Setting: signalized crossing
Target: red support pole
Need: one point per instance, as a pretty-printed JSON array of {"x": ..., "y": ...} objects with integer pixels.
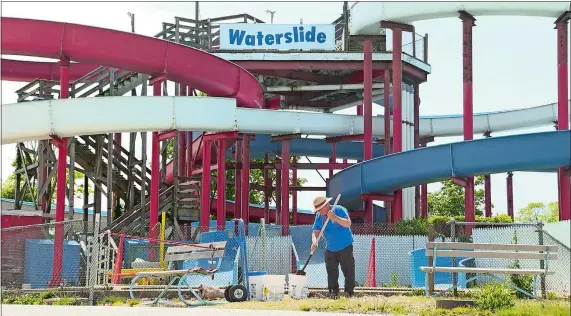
[
  {"x": 205, "y": 187},
  {"x": 397, "y": 113},
  {"x": 221, "y": 187},
  {"x": 246, "y": 179},
  {"x": 61, "y": 185},
  {"x": 368, "y": 116},
  {"x": 368, "y": 100},
  {"x": 488, "y": 196},
  {"x": 510, "y": 194},
  {"x": 285, "y": 188},
  {"x": 424, "y": 200},
  {"x": 238, "y": 182},
  {"x": 468, "y": 115},
  {"x": 155, "y": 173},
  {"x": 387, "y": 144},
  {"x": 267, "y": 190},
  {"x": 294, "y": 193},
  {"x": 278, "y": 191},
  {"x": 563, "y": 113}
]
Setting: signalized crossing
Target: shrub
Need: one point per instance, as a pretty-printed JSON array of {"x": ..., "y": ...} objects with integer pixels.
[
  {"x": 494, "y": 296},
  {"x": 415, "y": 226}
]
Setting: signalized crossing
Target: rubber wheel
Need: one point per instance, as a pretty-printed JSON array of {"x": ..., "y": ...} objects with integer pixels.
[
  {"x": 227, "y": 293},
  {"x": 237, "y": 293}
]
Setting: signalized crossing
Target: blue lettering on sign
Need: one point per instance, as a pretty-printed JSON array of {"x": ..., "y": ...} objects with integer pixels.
[{"x": 297, "y": 35}]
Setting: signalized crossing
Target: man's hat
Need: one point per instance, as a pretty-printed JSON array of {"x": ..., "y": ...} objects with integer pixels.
[{"x": 319, "y": 202}]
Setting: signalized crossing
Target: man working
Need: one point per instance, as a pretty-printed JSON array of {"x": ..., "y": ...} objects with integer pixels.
[{"x": 339, "y": 244}]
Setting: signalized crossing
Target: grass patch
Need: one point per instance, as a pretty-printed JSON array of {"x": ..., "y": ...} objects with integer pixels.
[{"x": 402, "y": 305}]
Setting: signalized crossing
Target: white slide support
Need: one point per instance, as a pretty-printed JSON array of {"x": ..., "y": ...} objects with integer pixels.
[
  {"x": 88, "y": 116},
  {"x": 365, "y": 16}
]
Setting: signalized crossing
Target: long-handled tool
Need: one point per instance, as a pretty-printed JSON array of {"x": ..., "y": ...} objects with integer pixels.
[{"x": 302, "y": 271}]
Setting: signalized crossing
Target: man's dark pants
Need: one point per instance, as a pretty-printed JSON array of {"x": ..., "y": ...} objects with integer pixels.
[{"x": 347, "y": 261}]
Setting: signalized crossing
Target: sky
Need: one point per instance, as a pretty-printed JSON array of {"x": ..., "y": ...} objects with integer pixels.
[{"x": 514, "y": 66}]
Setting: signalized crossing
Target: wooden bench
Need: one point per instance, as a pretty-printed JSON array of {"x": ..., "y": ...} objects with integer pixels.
[
  {"x": 213, "y": 251},
  {"x": 543, "y": 253}
]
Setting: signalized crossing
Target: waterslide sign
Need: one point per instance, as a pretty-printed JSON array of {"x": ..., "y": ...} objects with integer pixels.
[{"x": 246, "y": 36}]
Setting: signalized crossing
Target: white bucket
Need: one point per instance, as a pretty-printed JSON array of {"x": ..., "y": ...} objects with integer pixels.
[
  {"x": 256, "y": 286},
  {"x": 298, "y": 286},
  {"x": 274, "y": 287}
]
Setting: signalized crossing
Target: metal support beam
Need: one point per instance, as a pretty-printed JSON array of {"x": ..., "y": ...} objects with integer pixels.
[
  {"x": 245, "y": 180},
  {"x": 463, "y": 182},
  {"x": 344, "y": 138},
  {"x": 377, "y": 197},
  {"x": 205, "y": 187},
  {"x": 285, "y": 188},
  {"x": 166, "y": 135},
  {"x": 397, "y": 69},
  {"x": 109, "y": 185},
  {"x": 155, "y": 173},
  {"x": 510, "y": 194},
  {"x": 396, "y": 25},
  {"x": 563, "y": 108},
  {"x": 221, "y": 187},
  {"x": 233, "y": 135},
  {"x": 368, "y": 116},
  {"x": 294, "y": 193},
  {"x": 416, "y": 115},
  {"x": 283, "y": 137},
  {"x": 267, "y": 190},
  {"x": 468, "y": 21},
  {"x": 238, "y": 182}
]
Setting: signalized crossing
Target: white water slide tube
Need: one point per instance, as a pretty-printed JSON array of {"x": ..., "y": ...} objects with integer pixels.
[
  {"x": 365, "y": 16},
  {"x": 88, "y": 116}
]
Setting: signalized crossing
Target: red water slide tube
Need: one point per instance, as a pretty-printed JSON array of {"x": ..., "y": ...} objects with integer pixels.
[
  {"x": 19, "y": 70},
  {"x": 91, "y": 45}
]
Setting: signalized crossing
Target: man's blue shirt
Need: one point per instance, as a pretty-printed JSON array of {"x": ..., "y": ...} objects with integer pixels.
[{"x": 336, "y": 236}]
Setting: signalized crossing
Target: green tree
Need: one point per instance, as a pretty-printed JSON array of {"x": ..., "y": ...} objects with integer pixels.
[
  {"x": 538, "y": 211},
  {"x": 449, "y": 200},
  {"x": 9, "y": 185},
  {"x": 256, "y": 177}
]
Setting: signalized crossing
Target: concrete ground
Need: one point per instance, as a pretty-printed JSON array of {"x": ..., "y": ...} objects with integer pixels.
[{"x": 34, "y": 310}]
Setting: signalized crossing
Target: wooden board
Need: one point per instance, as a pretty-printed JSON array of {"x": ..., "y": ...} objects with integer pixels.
[
  {"x": 491, "y": 254},
  {"x": 512, "y": 247},
  {"x": 484, "y": 270}
]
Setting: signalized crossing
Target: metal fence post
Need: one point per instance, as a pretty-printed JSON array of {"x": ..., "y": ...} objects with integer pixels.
[
  {"x": 453, "y": 239},
  {"x": 94, "y": 264},
  {"x": 541, "y": 262},
  {"x": 431, "y": 237}
]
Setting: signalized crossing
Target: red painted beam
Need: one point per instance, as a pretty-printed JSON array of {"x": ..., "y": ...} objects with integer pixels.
[
  {"x": 285, "y": 188},
  {"x": 166, "y": 135},
  {"x": 563, "y": 109},
  {"x": 463, "y": 182},
  {"x": 221, "y": 135},
  {"x": 221, "y": 186},
  {"x": 510, "y": 194},
  {"x": 57, "y": 141},
  {"x": 396, "y": 25},
  {"x": 345, "y": 138},
  {"x": 397, "y": 72},
  {"x": 245, "y": 186},
  {"x": 377, "y": 197},
  {"x": 160, "y": 77},
  {"x": 256, "y": 65},
  {"x": 205, "y": 189},
  {"x": 368, "y": 116},
  {"x": 468, "y": 115}
]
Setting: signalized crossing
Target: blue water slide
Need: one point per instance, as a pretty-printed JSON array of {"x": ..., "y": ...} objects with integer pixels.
[
  {"x": 384, "y": 175},
  {"x": 309, "y": 147}
]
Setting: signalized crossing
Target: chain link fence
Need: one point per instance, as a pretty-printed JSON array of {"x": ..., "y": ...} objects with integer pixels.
[
  {"x": 45, "y": 255},
  {"x": 386, "y": 255}
]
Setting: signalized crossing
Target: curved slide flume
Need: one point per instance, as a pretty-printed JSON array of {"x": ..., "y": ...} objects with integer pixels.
[
  {"x": 92, "y": 45},
  {"x": 384, "y": 175}
]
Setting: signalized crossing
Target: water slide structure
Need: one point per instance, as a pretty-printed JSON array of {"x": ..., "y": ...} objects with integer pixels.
[{"x": 242, "y": 119}]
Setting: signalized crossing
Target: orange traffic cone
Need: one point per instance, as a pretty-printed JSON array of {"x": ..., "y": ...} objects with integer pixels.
[{"x": 371, "y": 279}]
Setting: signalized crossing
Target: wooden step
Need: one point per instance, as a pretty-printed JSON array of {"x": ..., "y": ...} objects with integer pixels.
[{"x": 187, "y": 191}]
